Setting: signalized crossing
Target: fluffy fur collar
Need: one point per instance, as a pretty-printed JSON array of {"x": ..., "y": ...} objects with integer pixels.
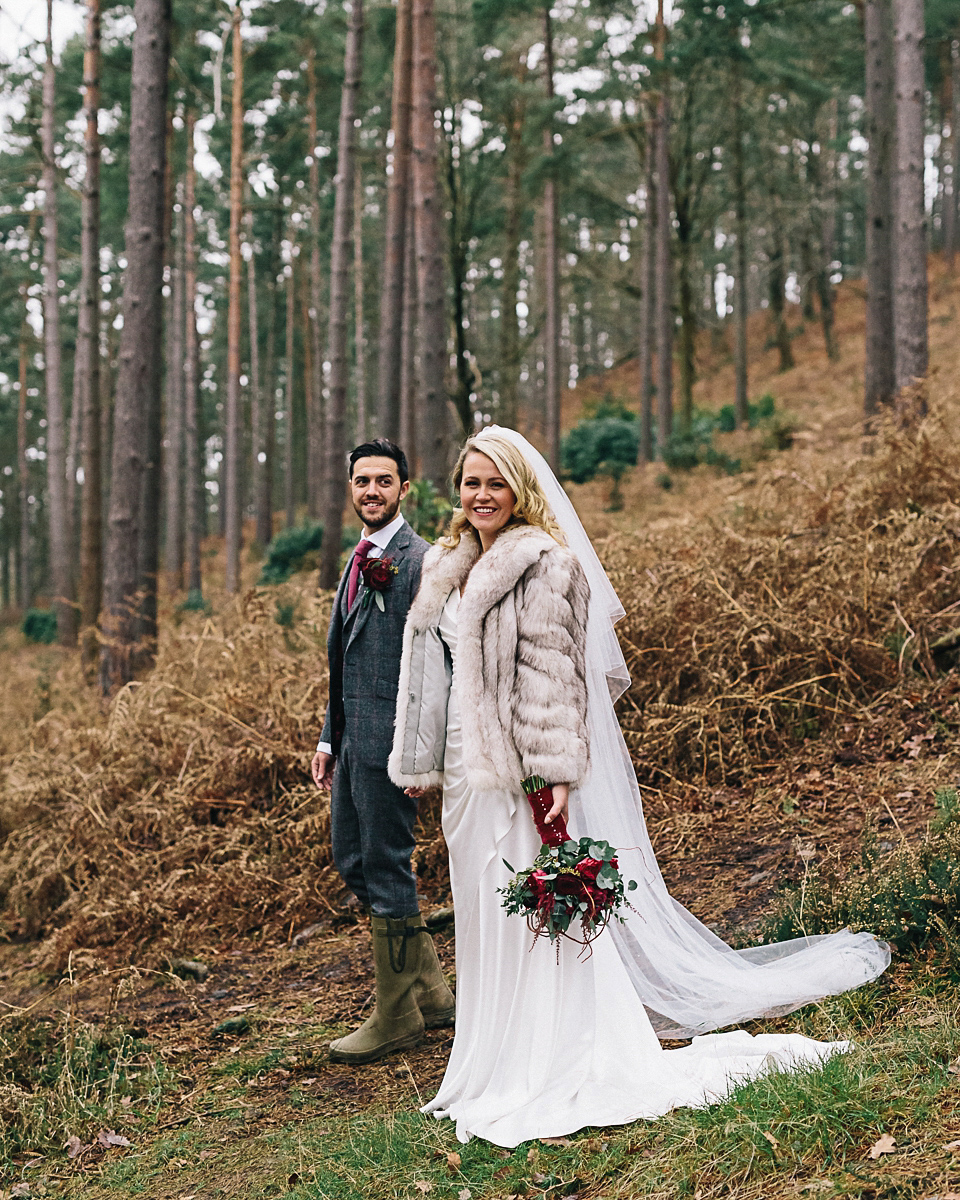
[{"x": 492, "y": 574}]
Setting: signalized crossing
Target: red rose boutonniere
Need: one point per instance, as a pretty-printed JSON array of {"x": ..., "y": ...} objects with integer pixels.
[{"x": 378, "y": 575}]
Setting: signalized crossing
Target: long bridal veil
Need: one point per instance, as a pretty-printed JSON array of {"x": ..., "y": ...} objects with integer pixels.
[{"x": 690, "y": 981}]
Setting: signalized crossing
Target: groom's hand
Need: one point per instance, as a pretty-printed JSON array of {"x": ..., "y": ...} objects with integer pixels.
[{"x": 322, "y": 770}]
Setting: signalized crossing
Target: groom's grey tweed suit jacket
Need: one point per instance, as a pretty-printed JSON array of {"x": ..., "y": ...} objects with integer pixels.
[{"x": 363, "y": 648}]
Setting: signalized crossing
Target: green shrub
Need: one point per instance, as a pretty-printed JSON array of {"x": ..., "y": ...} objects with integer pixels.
[
  {"x": 288, "y": 552},
  {"x": 907, "y": 894},
  {"x": 426, "y": 509},
  {"x": 40, "y": 625},
  {"x": 607, "y": 445}
]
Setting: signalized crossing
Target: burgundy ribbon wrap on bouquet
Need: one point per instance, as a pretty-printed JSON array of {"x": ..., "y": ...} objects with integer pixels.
[{"x": 540, "y": 795}]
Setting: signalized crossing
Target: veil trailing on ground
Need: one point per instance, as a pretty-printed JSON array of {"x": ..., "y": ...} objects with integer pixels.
[{"x": 690, "y": 980}]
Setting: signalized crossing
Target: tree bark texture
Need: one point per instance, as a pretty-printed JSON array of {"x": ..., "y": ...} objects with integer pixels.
[
  {"x": 264, "y": 496},
  {"x": 551, "y": 264},
  {"x": 87, "y": 363},
  {"x": 777, "y": 284},
  {"x": 25, "y": 577},
  {"x": 291, "y": 317},
  {"x": 395, "y": 254},
  {"x": 509, "y": 369},
  {"x": 138, "y": 380},
  {"x": 879, "y": 376},
  {"x": 233, "y": 441},
  {"x": 58, "y": 522},
  {"x": 359, "y": 324},
  {"x": 664, "y": 262},
  {"x": 459, "y": 260},
  {"x": 910, "y": 257},
  {"x": 951, "y": 246},
  {"x": 741, "y": 302},
  {"x": 335, "y": 424},
  {"x": 648, "y": 299},
  {"x": 410, "y": 420},
  {"x": 174, "y": 439},
  {"x": 195, "y": 495},
  {"x": 313, "y": 358},
  {"x": 433, "y": 435},
  {"x": 256, "y": 391}
]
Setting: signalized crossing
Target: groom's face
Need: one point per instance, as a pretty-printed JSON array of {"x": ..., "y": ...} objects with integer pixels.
[{"x": 376, "y": 491}]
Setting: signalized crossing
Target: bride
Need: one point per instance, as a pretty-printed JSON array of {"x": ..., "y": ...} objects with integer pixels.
[{"x": 510, "y": 669}]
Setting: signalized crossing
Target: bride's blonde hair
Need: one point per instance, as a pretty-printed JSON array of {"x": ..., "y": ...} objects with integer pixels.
[{"x": 531, "y": 506}]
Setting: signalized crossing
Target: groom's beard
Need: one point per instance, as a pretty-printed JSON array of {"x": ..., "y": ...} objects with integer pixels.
[{"x": 387, "y": 513}]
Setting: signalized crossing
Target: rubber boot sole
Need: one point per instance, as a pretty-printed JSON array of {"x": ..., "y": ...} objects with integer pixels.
[
  {"x": 442, "y": 1019},
  {"x": 358, "y": 1057}
]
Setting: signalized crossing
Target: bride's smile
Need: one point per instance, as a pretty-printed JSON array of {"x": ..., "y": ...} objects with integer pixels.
[{"x": 486, "y": 497}]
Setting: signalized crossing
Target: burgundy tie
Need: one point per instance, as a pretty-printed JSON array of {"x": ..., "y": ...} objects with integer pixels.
[{"x": 353, "y": 583}]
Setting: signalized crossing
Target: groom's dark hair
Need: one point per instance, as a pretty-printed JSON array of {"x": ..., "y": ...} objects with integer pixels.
[{"x": 381, "y": 448}]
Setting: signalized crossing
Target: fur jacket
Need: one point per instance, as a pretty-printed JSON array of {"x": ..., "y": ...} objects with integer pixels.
[{"x": 520, "y": 676}]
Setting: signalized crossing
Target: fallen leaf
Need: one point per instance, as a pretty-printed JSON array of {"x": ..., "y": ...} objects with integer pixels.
[
  {"x": 954, "y": 1068},
  {"x": 107, "y": 1137},
  {"x": 73, "y": 1146},
  {"x": 453, "y": 1161},
  {"x": 771, "y": 1139},
  {"x": 293, "y": 1180},
  {"x": 952, "y": 1147},
  {"x": 556, "y": 1141},
  {"x": 532, "y": 1154},
  {"x": 240, "y": 1007},
  {"x": 20, "y": 1189},
  {"x": 205, "y": 1154},
  {"x": 818, "y": 1185},
  {"x": 422, "y": 1186},
  {"x": 884, "y": 1144},
  {"x": 464, "y": 1194}
]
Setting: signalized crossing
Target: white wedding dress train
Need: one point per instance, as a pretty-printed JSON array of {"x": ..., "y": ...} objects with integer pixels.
[{"x": 546, "y": 1045}]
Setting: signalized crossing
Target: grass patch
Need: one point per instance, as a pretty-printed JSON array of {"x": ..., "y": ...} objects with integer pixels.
[{"x": 61, "y": 1077}]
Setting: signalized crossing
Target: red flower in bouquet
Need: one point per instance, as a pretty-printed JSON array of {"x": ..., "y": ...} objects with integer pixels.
[
  {"x": 378, "y": 575},
  {"x": 569, "y": 880}
]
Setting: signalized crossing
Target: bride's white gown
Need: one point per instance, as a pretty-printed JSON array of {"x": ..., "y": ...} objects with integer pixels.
[{"x": 544, "y": 1048}]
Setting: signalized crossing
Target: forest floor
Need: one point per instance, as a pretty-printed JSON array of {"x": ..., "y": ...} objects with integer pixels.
[{"x": 214, "y": 1082}]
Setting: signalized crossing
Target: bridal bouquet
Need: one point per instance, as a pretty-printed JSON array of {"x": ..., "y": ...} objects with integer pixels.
[{"x": 569, "y": 880}]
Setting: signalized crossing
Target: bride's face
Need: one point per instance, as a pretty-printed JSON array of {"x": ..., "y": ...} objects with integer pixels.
[{"x": 485, "y": 496}]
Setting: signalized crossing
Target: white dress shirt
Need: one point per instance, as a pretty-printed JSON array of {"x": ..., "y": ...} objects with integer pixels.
[{"x": 381, "y": 539}]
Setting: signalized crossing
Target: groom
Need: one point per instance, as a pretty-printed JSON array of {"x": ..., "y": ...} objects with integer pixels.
[{"x": 372, "y": 819}]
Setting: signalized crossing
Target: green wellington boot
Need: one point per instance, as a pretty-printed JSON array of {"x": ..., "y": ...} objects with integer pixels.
[
  {"x": 395, "y": 1023},
  {"x": 436, "y": 1001}
]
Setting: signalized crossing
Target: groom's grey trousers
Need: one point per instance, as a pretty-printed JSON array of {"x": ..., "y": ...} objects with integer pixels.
[{"x": 372, "y": 822}]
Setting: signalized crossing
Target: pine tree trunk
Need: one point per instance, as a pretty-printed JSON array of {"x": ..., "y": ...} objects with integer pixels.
[
  {"x": 433, "y": 434},
  {"x": 910, "y": 260},
  {"x": 395, "y": 254},
  {"x": 410, "y": 419},
  {"x": 663, "y": 252},
  {"x": 778, "y": 285},
  {"x": 458, "y": 271},
  {"x": 88, "y": 352},
  {"x": 195, "y": 494},
  {"x": 289, "y": 501},
  {"x": 741, "y": 301},
  {"x": 174, "y": 440},
  {"x": 509, "y": 370},
  {"x": 945, "y": 166},
  {"x": 340, "y": 253},
  {"x": 58, "y": 517},
  {"x": 233, "y": 442},
  {"x": 551, "y": 264},
  {"x": 256, "y": 389},
  {"x": 138, "y": 381},
  {"x": 879, "y": 379},
  {"x": 25, "y": 575},
  {"x": 951, "y": 247},
  {"x": 359, "y": 324},
  {"x": 648, "y": 300},
  {"x": 264, "y": 499},
  {"x": 313, "y": 353}
]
